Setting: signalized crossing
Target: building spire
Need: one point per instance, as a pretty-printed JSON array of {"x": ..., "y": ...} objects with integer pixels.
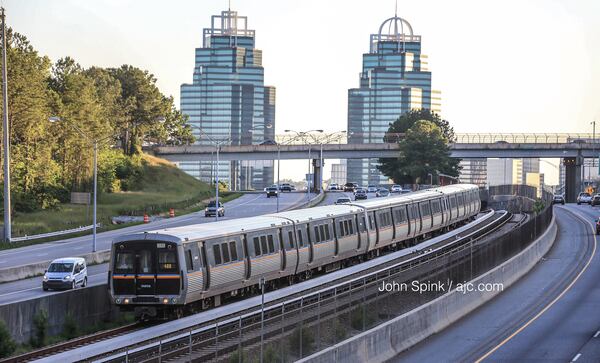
[
  {"x": 230, "y": 5},
  {"x": 395, "y": 10}
]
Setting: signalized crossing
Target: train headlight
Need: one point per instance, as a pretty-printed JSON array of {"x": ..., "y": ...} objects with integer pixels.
[
  {"x": 165, "y": 301},
  {"x": 126, "y": 301}
]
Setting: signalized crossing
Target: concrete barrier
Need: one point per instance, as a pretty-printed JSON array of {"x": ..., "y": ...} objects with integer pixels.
[
  {"x": 86, "y": 306},
  {"x": 38, "y": 268},
  {"x": 389, "y": 339}
]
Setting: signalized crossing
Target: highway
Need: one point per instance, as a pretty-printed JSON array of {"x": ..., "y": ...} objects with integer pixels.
[
  {"x": 31, "y": 288},
  {"x": 551, "y": 314}
]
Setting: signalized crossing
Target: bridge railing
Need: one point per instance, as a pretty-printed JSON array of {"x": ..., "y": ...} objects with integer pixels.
[{"x": 524, "y": 138}]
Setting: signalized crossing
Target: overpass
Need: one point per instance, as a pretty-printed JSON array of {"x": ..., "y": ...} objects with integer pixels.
[{"x": 573, "y": 148}]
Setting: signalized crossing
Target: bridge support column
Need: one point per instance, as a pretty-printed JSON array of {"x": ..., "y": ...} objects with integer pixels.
[
  {"x": 572, "y": 178},
  {"x": 317, "y": 175}
]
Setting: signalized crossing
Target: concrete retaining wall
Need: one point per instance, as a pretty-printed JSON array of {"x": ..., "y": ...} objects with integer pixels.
[
  {"x": 387, "y": 340},
  {"x": 38, "y": 268},
  {"x": 87, "y": 306}
]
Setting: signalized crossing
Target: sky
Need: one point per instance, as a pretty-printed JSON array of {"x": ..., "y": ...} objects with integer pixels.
[{"x": 509, "y": 66}]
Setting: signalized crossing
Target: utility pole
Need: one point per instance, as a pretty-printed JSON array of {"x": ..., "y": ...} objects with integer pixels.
[
  {"x": 6, "y": 134},
  {"x": 594, "y": 146}
]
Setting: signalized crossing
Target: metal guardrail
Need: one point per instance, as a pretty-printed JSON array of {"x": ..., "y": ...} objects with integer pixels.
[{"x": 54, "y": 234}]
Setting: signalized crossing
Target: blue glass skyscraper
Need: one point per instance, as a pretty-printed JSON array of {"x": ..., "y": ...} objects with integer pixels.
[
  {"x": 229, "y": 101},
  {"x": 394, "y": 79}
]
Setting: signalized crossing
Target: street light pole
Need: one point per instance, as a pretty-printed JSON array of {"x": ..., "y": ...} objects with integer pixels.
[
  {"x": 217, "y": 186},
  {"x": 262, "y": 316},
  {"x": 308, "y": 176},
  {"x": 6, "y": 134},
  {"x": 278, "y": 163},
  {"x": 95, "y": 194}
]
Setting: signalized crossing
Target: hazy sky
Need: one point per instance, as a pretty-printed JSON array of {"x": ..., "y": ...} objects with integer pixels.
[{"x": 510, "y": 66}]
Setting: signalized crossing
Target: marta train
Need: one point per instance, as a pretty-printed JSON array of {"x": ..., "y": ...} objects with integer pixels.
[{"x": 166, "y": 272}]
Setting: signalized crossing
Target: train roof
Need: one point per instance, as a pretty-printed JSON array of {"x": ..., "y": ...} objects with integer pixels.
[{"x": 226, "y": 227}]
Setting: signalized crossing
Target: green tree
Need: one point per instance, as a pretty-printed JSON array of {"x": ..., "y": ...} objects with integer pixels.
[
  {"x": 399, "y": 127},
  {"x": 40, "y": 324},
  {"x": 7, "y": 344},
  {"x": 423, "y": 150}
]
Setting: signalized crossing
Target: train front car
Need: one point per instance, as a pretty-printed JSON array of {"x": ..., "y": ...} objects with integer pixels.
[{"x": 145, "y": 275}]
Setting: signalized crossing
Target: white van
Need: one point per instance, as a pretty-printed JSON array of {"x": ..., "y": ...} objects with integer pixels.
[{"x": 65, "y": 273}]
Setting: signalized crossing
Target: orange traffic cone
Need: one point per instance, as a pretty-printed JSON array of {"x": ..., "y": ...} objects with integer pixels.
[
  {"x": 171, "y": 213},
  {"x": 146, "y": 219}
]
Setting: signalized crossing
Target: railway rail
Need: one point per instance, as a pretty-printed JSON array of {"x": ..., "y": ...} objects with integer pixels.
[
  {"x": 75, "y": 343},
  {"x": 219, "y": 331}
]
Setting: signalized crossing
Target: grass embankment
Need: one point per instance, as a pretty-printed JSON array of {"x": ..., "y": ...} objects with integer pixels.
[{"x": 161, "y": 186}]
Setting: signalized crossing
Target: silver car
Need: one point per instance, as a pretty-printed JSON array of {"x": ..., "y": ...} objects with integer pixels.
[{"x": 65, "y": 273}]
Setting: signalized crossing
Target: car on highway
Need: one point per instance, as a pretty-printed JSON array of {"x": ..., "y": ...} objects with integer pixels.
[
  {"x": 396, "y": 189},
  {"x": 595, "y": 200},
  {"x": 598, "y": 226},
  {"x": 285, "y": 187},
  {"x": 268, "y": 142},
  {"x": 360, "y": 194},
  {"x": 272, "y": 192},
  {"x": 558, "y": 199},
  {"x": 382, "y": 192},
  {"x": 371, "y": 189},
  {"x": 211, "y": 209},
  {"x": 343, "y": 200},
  {"x": 65, "y": 273},
  {"x": 334, "y": 186},
  {"x": 349, "y": 187},
  {"x": 584, "y": 197}
]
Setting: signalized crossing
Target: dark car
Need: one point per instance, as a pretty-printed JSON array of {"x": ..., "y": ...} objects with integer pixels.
[
  {"x": 360, "y": 194},
  {"x": 269, "y": 142},
  {"x": 558, "y": 199},
  {"x": 382, "y": 193},
  {"x": 211, "y": 209},
  {"x": 598, "y": 226},
  {"x": 595, "y": 200},
  {"x": 272, "y": 192},
  {"x": 349, "y": 187},
  {"x": 285, "y": 187}
]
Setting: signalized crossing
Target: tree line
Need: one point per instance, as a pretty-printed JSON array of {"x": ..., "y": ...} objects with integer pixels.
[{"x": 121, "y": 105}]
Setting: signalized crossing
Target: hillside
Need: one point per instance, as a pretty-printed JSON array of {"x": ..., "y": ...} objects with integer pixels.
[{"x": 160, "y": 186}]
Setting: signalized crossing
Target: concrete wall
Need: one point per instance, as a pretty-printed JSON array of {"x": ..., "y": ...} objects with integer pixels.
[
  {"x": 387, "y": 340},
  {"x": 87, "y": 306}
]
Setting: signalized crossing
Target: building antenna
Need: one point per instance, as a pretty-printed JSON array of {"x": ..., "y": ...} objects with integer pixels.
[
  {"x": 396, "y": 9},
  {"x": 229, "y": 5}
]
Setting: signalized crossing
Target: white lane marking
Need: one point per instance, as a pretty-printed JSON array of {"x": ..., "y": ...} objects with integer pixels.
[
  {"x": 597, "y": 333},
  {"x": 42, "y": 254},
  {"x": 576, "y": 357},
  {"x": 39, "y": 287}
]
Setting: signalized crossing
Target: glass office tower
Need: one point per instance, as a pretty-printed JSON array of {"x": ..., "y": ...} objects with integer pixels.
[
  {"x": 394, "y": 79},
  {"x": 229, "y": 102}
]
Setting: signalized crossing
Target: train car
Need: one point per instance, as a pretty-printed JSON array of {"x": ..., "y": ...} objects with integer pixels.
[{"x": 195, "y": 267}]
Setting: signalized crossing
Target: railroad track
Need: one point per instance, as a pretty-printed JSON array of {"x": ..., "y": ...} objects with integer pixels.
[{"x": 75, "y": 343}]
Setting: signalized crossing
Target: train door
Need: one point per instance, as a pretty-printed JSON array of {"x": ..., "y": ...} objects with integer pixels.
[
  {"x": 310, "y": 244},
  {"x": 206, "y": 266},
  {"x": 145, "y": 283},
  {"x": 359, "y": 231},
  {"x": 282, "y": 250},
  {"x": 373, "y": 226}
]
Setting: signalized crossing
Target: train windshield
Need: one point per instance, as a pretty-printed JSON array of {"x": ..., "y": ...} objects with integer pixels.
[{"x": 145, "y": 257}]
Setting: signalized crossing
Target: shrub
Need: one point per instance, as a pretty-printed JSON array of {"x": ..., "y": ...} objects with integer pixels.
[
  {"x": 7, "y": 344},
  {"x": 70, "y": 328},
  {"x": 40, "y": 324}
]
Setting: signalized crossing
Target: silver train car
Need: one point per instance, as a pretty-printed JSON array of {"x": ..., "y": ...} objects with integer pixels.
[{"x": 195, "y": 267}]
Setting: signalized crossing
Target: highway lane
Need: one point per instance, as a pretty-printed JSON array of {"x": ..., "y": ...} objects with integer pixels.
[
  {"x": 25, "y": 289},
  {"x": 236, "y": 208},
  {"x": 539, "y": 318}
]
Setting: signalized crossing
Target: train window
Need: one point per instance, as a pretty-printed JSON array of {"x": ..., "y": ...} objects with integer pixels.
[
  {"x": 167, "y": 262},
  {"x": 217, "y": 253},
  {"x": 188, "y": 261},
  {"x": 291, "y": 238},
  {"x": 124, "y": 263},
  {"x": 225, "y": 252},
  {"x": 145, "y": 262},
  {"x": 350, "y": 227},
  {"x": 425, "y": 209},
  {"x": 327, "y": 232},
  {"x": 300, "y": 240},
  {"x": 346, "y": 228},
  {"x": 271, "y": 244},
  {"x": 342, "y": 232},
  {"x": 370, "y": 221},
  {"x": 263, "y": 245},
  {"x": 256, "y": 246},
  {"x": 317, "y": 237},
  {"x": 364, "y": 223},
  {"x": 233, "y": 251}
]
